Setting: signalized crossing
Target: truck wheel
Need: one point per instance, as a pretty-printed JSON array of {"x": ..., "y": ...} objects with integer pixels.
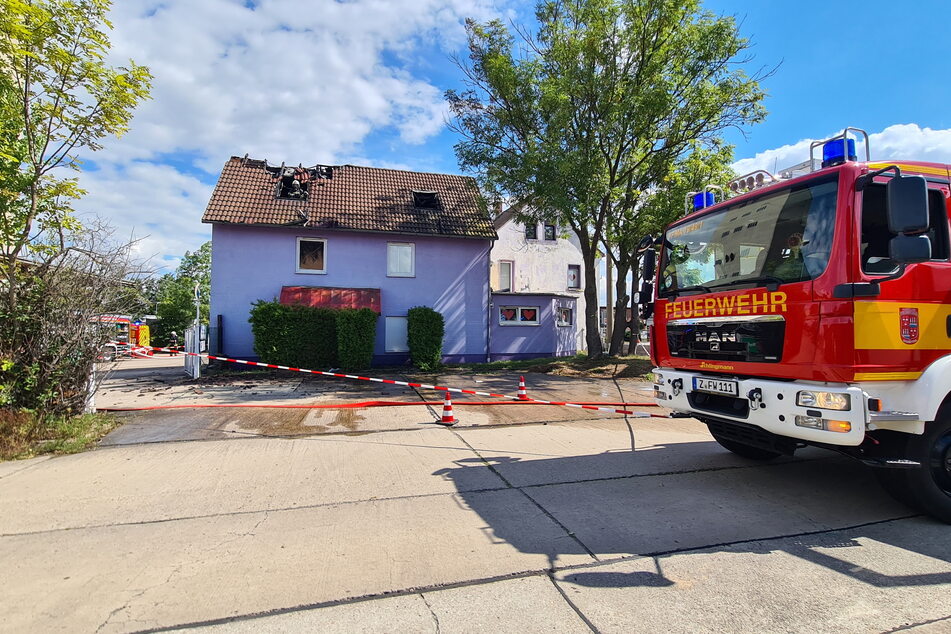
[
  {"x": 929, "y": 488},
  {"x": 747, "y": 451}
]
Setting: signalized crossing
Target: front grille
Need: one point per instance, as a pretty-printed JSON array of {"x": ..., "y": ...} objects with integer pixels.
[{"x": 759, "y": 341}]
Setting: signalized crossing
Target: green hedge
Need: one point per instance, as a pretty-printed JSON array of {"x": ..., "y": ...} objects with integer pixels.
[
  {"x": 298, "y": 336},
  {"x": 425, "y": 330},
  {"x": 356, "y": 332}
]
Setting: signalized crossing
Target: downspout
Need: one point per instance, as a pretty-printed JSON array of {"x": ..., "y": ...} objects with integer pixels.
[
  {"x": 488, "y": 317},
  {"x": 488, "y": 285}
]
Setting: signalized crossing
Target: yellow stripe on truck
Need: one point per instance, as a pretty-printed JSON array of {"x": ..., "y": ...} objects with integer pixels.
[
  {"x": 878, "y": 326},
  {"x": 887, "y": 376},
  {"x": 921, "y": 169}
]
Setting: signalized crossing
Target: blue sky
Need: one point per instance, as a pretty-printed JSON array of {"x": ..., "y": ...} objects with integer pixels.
[
  {"x": 362, "y": 82},
  {"x": 867, "y": 64}
]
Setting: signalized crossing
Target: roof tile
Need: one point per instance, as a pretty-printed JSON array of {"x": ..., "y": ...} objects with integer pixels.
[{"x": 353, "y": 198}]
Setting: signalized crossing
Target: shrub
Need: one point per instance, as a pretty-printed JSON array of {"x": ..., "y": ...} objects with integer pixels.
[
  {"x": 425, "y": 330},
  {"x": 356, "y": 332},
  {"x": 298, "y": 336}
]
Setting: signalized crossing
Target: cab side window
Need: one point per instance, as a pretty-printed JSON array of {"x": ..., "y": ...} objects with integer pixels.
[{"x": 876, "y": 236}]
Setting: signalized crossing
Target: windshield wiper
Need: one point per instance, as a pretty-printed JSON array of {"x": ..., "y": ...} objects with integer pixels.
[
  {"x": 676, "y": 291},
  {"x": 763, "y": 280}
]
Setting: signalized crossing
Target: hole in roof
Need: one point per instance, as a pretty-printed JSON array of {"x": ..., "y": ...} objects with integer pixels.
[
  {"x": 294, "y": 183},
  {"x": 425, "y": 200}
]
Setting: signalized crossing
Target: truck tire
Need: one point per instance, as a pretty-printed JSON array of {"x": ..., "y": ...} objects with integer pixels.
[
  {"x": 746, "y": 451},
  {"x": 927, "y": 489}
]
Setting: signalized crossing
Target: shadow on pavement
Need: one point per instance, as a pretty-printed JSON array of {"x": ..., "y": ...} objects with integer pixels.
[{"x": 822, "y": 510}]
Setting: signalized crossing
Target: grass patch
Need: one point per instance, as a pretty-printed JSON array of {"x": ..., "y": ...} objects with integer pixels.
[
  {"x": 578, "y": 365},
  {"x": 22, "y": 437}
]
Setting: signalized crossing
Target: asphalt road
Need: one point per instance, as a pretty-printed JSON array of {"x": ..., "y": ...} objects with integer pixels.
[{"x": 531, "y": 527}]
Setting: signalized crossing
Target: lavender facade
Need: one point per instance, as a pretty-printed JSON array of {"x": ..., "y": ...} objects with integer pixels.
[
  {"x": 450, "y": 275},
  {"x": 530, "y": 325},
  {"x": 344, "y": 236}
]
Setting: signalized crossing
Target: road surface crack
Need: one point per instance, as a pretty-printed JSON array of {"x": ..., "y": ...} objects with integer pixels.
[
  {"x": 571, "y": 604},
  {"x": 432, "y": 612}
]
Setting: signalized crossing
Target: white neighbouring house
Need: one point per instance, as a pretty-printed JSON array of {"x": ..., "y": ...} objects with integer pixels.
[{"x": 539, "y": 258}]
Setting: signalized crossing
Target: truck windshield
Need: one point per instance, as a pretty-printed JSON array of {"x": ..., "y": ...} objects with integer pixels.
[{"x": 784, "y": 236}]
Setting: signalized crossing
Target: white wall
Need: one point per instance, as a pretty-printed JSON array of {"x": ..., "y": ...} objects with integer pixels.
[{"x": 540, "y": 266}]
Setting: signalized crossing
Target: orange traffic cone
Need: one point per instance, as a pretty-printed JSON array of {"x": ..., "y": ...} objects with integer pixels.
[
  {"x": 447, "y": 417},
  {"x": 522, "y": 394}
]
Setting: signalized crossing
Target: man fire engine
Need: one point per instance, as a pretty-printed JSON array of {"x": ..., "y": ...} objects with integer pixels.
[{"x": 814, "y": 308}]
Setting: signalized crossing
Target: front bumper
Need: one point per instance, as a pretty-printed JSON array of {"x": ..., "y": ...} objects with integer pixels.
[{"x": 770, "y": 405}]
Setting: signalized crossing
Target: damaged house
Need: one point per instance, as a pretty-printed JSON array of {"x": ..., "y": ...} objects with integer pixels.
[
  {"x": 350, "y": 237},
  {"x": 346, "y": 236}
]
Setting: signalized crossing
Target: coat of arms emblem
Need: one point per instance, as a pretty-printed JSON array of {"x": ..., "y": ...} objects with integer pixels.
[{"x": 909, "y": 324}]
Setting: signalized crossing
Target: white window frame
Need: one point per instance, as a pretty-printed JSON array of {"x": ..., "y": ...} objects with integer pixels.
[
  {"x": 518, "y": 313},
  {"x": 387, "y": 344},
  {"x": 568, "y": 272},
  {"x": 297, "y": 255},
  {"x": 511, "y": 277},
  {"x": 412, "y": 259},
  {"x": 571, "y": 313}
]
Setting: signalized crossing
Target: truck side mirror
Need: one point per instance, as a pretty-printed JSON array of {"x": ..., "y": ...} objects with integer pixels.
[
  {"x": 907, "y": 204},
  {"x": 645, "y": 295},
  {"x": 646, "y": 243},
  {"x": 908, "y": 249},
  {"x": 650, "y": 264}
]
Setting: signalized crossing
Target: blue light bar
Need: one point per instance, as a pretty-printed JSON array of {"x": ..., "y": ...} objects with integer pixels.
[
  {"x": 703, "y": 200},
  {"x": 834, "y": 152}
]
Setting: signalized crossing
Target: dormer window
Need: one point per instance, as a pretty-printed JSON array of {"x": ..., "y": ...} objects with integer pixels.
[{"x": 425, "y": 200}]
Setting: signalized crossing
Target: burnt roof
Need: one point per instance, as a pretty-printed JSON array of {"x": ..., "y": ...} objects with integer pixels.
[{"x": 350, "y": 198}]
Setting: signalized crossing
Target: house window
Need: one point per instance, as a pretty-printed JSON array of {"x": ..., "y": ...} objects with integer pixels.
[
  {"x": 518, "y": 315},
  {"x": 565, "y": 316},
  {"x": 574, "y": 276},
  {"x": 395, "y": 338},
  {"x": 549, "y": 232},
  {"x": 505, "y": 275},
  {"x": 531, "y": 231},
  {"x": 311, "y": 255},
  {"x": 400, "y": 259}
]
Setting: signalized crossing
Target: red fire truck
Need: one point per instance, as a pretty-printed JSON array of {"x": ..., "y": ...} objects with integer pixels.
[{"x": 814, "y": 308}]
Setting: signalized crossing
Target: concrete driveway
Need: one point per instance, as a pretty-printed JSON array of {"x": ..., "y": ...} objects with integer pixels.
[
  {"x": 285, "y": 404},
  {"x": 532, "y": 527}
]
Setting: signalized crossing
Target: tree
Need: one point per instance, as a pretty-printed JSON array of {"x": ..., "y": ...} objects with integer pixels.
[
  {"x": 582, "y": 118},
  {"x": 176, "y": 293},
  {"x": 51, "y": 338},
  {"x": 58, "y": 98},
  {"x": 656, "y": 208}
]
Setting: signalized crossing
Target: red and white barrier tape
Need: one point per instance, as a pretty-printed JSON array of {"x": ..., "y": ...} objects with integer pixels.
[{"x": 423, "y": 386}]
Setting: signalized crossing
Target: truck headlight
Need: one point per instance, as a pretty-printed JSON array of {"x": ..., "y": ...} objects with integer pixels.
[{"x": 823, "y": 400}]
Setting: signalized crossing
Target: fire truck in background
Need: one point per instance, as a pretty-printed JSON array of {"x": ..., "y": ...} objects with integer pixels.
[
  {"x": 814, "y": 308},
  {"x": 124, "y": 335}
]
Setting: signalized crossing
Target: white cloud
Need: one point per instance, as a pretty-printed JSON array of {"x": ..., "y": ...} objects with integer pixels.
[
  {"x": 152, "y": 203},
  {"x": 900, "y": 141},
  {"x": 289, "y": 80},
  {"x": 284, "y": 80}
]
